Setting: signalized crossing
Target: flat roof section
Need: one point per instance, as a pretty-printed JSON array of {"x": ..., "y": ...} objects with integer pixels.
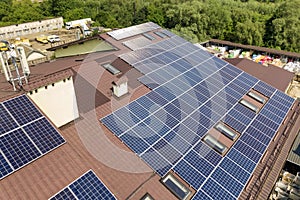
[
  {"x": 261, "y": 49},
  {"x": 275, "y": 76}
]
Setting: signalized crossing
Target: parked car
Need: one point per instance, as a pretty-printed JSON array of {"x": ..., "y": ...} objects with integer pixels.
[{"x": 53, "y": 38}]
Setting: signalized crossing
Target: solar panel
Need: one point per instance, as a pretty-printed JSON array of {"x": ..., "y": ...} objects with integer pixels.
[
  {"x": 133, "y": 30},
  {"x": 235, "y": 170},
  {"x": 193, "y": 91},
  {"x": 227, "y": 182},
  {"x": 5, "y": 168},
  {"x": 7, "y": 121},
  {"x": 22, "y": 110},
  {"x": 190, "y": 174},
  {"x": 86, "y": 187},
  {"x": 65, "y": 194},
  {"x": 25, "y": 134},
  {"x": 18, "y": 148},
  {"x": 137, "y": 43},
  {"x": 44, "y": 135}
]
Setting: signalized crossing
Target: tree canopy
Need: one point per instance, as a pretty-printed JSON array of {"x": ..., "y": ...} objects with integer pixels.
[{"x": 270, "y": 23}]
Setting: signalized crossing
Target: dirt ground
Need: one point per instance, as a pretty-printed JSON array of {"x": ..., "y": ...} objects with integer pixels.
[{"x": 65, "y": 36}]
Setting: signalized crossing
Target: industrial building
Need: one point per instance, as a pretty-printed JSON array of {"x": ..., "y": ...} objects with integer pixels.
[
  {"x": 155, "y": 117},
  {"x": 19, "y": 30}
]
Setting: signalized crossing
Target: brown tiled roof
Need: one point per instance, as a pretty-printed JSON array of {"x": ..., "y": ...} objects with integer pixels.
[
  {"x": 275, "y": 76},
  {"x": 256, "y": 48},
  {"x": 90, "y": 145},
  {"x": 42, "y": 81}
]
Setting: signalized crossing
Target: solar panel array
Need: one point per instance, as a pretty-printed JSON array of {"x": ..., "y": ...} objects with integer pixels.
[
  {"x": 25, "y": 135},
  {"x": 191, "y": 92},
  {"x": 137, "y": 43},
  {"x": 86, "y": 187},
  {"x": 133, "y": 30}
]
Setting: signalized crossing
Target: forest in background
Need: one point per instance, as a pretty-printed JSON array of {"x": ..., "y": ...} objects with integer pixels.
[{"x": 269, "y": 23}]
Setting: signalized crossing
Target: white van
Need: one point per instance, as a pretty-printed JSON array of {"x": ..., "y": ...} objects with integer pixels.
[{"x": 53, "y": 38}]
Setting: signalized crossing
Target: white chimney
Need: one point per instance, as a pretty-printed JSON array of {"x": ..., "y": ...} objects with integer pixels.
[{"x": 120, "y": 86}]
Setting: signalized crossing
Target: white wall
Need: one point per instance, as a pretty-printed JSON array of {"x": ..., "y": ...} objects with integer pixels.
[
  {"x": 8, "y": 32},
  {"x": 58, "y": 102}
]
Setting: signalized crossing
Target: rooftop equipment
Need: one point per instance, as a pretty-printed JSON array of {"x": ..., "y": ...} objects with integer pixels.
[{"x": 16, "y": 56}]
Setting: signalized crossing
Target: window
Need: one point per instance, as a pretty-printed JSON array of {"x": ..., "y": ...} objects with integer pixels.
[
  {"x": 176, "y": 187},
  {"x": 257, "y": 97},
  {"x": 226, "y": 131},
  {"x": 147, "y": 196},
  {"x": 215, "y": 144},
  {"x": 148, "y": 36},
  {"x": 249, "y": 105},
  {"x": 160, "y": 34},
  {"x": 111, "y": 69}
]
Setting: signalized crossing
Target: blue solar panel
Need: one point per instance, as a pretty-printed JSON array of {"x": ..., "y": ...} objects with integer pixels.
[
  {"x": 201, "y": 164},
  {"x": 206, "y": 152},
  {"x": 271, "y": 116},
  {"x": 44, "y": 135},
  {"x": 245, "y": 111},
  {"x": 22, "y": 109},
  {"x": 263, "y": 128},
  {"x": 18, "y": 148},
  {"x": 247, "y": 79},
  {"x": 177, "y": 142},
  {"x": 239, "y": 117},
  {"x": 127, "y": 118},
  {"x": 114, "y": 124},
  {"x": 234, "y": 123},
  {"x": 274, "y": 110},
  {"x": 65, "y": 194},
  {"x": 247, "y": 151},
  {"x": 241, "y": 84},
  {"x": 143, "y": 131},
  {"x": 6, "y": 121},
  {"x": 173, "y": 111},
  {"x": 186, "y": 134},
  {"x": 5, "y": 168},
  {"x": 233, "y": 93},
  {"x": 155, "y": 97},
  {"x": 166, "y": 150},
  {"x": 235, "y": 170},
  {"x": 215, "y": 191},
  {"x": 281, "y": 101},
  {"x": 147, "y": 103},
  {"x": 138, "y": 110},
  {"x": 156, "y": 161},
  {"x": 89, "y": 186},
  {"x": 284, "y": 97},
  {"x": 200, "y": 195},
  {"x": 190, "y": 174},
  {"x": 242, "y": 160},
  {"x": 194, "y": 91},
  {"x": 253, "y": 143},
  {"x": 237, "y": 88},
  {"x": 227, "y": 181},
  {"x": 134, "y": 142},
  {"x": 257, "y": 134},
  {"x": 194, "y": 77},
  {"x": 278, "y": 105},
  {"x": 260, "y": 88},
  {"x": 266, "y": 121}
]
